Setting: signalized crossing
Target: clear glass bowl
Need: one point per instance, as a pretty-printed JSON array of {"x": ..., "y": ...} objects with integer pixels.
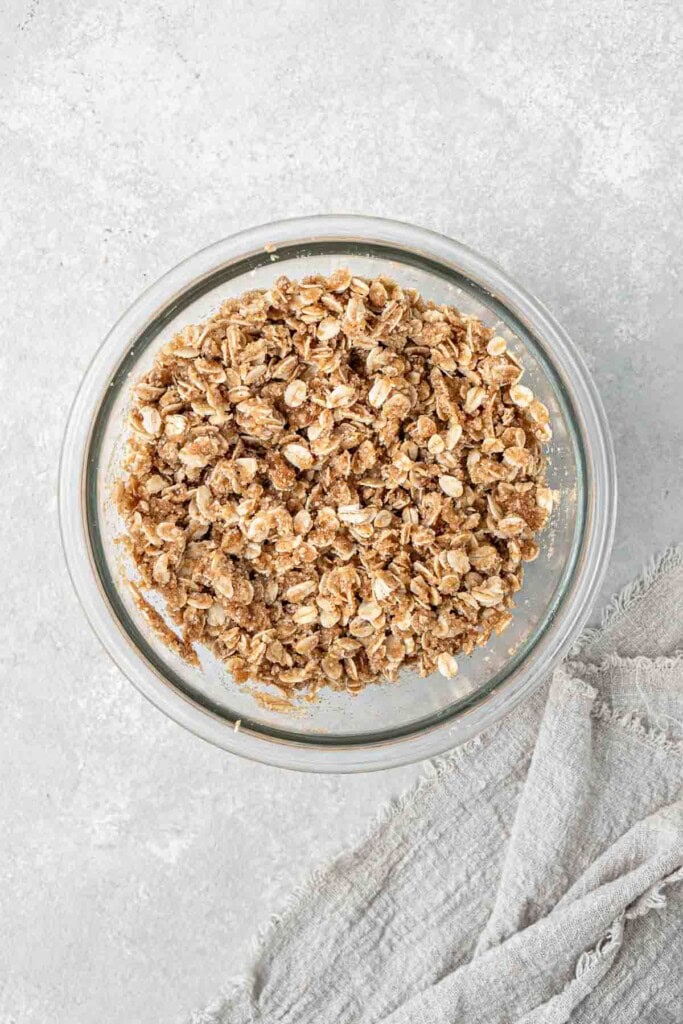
[{"x": 390, "y": 724}]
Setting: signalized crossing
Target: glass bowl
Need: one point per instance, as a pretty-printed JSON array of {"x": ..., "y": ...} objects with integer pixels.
[{"x": 385, "y": 725}]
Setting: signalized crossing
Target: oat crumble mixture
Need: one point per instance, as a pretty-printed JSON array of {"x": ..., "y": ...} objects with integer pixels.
[{"x": 333, "y": 479}]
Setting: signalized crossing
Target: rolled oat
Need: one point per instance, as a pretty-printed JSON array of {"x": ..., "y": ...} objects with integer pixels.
[{"x": 332, "y": 479}]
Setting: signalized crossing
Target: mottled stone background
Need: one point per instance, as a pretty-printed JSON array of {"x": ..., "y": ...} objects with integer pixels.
[{"x": 135, "y": 860}]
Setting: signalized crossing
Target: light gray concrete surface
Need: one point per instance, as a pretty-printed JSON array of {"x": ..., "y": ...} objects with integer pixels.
[{"x": 136, "y": 861}]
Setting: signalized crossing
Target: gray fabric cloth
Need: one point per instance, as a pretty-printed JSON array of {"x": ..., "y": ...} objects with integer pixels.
[{"x": 531, "y": 877}]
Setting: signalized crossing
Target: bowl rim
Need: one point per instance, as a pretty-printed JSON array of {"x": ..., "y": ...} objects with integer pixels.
[{"x": 591, "y": 560}]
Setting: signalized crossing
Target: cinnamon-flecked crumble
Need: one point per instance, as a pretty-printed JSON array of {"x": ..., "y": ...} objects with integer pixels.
[{"x": 332, "y": 479}]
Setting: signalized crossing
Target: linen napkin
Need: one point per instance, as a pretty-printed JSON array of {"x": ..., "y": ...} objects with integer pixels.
[{"x": 531, "y": 877}]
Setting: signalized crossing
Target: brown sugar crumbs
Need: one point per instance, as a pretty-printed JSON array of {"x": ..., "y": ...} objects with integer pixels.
[{"x": 332, "y": 479}]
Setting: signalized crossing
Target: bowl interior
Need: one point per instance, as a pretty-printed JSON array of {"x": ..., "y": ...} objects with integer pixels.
[{"x": 379, "y": 713}]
